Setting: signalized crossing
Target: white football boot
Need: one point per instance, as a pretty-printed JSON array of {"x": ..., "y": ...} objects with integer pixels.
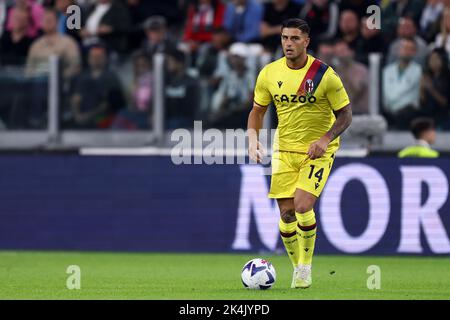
[
  {"x": 294, "y": 277},
  {"x": 303, "y": 278}
]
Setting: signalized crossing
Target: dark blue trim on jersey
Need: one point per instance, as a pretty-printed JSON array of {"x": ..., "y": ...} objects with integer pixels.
[{"x": 319, "y": 75}]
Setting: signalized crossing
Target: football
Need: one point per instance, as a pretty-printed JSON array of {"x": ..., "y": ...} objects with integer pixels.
[{"x": 258, "y": 274}]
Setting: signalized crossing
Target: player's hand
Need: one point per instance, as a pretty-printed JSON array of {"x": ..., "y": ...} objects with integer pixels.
[
  {"x": 256, "y": 151},
  {"x": 318, "y": 148}
]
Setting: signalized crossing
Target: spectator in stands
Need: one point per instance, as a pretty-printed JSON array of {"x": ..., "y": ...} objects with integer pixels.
[
  {"x": 357, "y": 6},
  {"x": 139, "y": 11},
  {"x": 428, "y": 21},
  {"x": 275, "y": 12},
  {"x": 202, "y": 17},
  {"x": 322, "y": 17},
  {"x": 242, "y": 19},
  {"x": 211, "y": 53},
  {"x": 142, "y": 89},
  {"x": 212, "y": 57},
  {"x": 396, "y": 10},
  {"x": 443, "y": 38},
  {"x": 157, "y": 39},
  {"x": 181, "y": 93},
  {"x": 53, "y": 43},
  {"x": 138, "y": 115},
  {"x": 109, "y": 22},
  {"x": 31, "y": 112},
  {"x": 407, "y": 29},
  {"x": 36, "y": 15},
  {"x": 172, "y": 10},
  {"x": 325, "y": 52},
  {"x": 401, "y": 82},
  {"x": 369, "y": 42},
  {"x": 424, "y": 133},
  {"x": 235, "y": 92},
  {"x": 354, "y": 76},
  {"x": 97, "y": 94},
  {"x": 14, "y": 44},
  {"x": 349, "y": 28},
  {"x": 435, "y": 88}
]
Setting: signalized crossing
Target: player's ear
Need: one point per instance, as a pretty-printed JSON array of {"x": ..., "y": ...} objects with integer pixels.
[{"x": 307, "y": 41}]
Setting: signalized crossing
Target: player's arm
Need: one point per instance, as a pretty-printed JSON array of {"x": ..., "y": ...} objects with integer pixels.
[
  {"x": 261, "y": 99},
  {"x": 340, "y": 103},
  {"x": 255, "y": 123},
  {"x": 343, "y": 121}
]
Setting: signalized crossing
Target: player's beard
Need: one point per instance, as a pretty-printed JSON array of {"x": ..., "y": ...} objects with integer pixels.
[{"x": 296, "y": 58}]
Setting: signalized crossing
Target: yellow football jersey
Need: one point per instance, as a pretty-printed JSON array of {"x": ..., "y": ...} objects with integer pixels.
[{"x": 304, "y": 99}]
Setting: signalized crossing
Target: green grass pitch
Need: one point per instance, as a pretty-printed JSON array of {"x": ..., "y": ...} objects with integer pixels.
[{"x": 42, "y": 275}]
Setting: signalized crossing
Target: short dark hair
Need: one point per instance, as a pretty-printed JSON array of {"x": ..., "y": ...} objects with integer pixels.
[
  {"x": 155, "y": 23},
  {"x": 98, "y": 46},
  {"x": 297, "y": 23},
  {"x": 420, "y": 125},
  {"x": 442, "y": 54},
  {"x": 345, "y": 43}
]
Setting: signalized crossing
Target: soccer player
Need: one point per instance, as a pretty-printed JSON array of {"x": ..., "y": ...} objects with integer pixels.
[
  {"x": 313, "y": 110},
  {"x": 424, "y": 132}
]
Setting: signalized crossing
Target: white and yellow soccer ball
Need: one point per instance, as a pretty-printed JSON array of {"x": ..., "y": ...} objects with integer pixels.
[{"x": 258, "y": 274}]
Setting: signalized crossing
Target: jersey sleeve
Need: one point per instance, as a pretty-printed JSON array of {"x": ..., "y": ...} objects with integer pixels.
[
  {"x": 336, "y": 94},
  {"x": 262, "y": 95}
]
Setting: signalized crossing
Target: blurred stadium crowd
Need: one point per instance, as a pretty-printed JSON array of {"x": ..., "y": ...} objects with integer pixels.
[{"x": 214, "y": 50}]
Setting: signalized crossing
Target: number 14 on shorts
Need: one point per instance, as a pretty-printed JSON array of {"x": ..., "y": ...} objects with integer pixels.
[{"x": 317, "y": 173}]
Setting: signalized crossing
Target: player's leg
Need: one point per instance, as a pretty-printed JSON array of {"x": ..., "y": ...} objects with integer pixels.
[
  {"x": 288, "y": 229},
  {"x": 306, "y": 235},
  {"x": 288, "y": 233},
  {"x": 306, "y": 224},
  {"x": 282, "y": 188},
  {"x": 312, "y": 179}
]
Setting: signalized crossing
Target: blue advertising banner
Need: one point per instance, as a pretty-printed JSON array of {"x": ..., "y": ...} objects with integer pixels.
[{"x": 377, "y": 206}]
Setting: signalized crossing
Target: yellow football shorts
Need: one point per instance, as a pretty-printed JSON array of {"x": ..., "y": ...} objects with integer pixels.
[{"x": 293, "y": 170}]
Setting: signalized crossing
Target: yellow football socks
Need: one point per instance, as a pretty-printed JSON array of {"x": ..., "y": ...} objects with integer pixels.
[
  {"x": 306, "y": 235},
  {"x": 289, "y": 236}
]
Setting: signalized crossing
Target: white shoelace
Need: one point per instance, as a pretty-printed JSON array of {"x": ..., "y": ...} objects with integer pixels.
[{"x": 304, "y": 272}]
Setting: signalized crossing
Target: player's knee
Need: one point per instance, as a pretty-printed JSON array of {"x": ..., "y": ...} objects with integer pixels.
[
  {"x": 303, "y": 207},
  {"x": 288, "y": 215}
]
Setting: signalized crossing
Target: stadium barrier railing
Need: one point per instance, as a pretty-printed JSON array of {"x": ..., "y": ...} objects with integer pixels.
[{"x": 367, "y": 132}]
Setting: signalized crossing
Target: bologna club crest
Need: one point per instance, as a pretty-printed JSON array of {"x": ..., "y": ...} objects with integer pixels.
[{"x": 309, "y": 87}]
